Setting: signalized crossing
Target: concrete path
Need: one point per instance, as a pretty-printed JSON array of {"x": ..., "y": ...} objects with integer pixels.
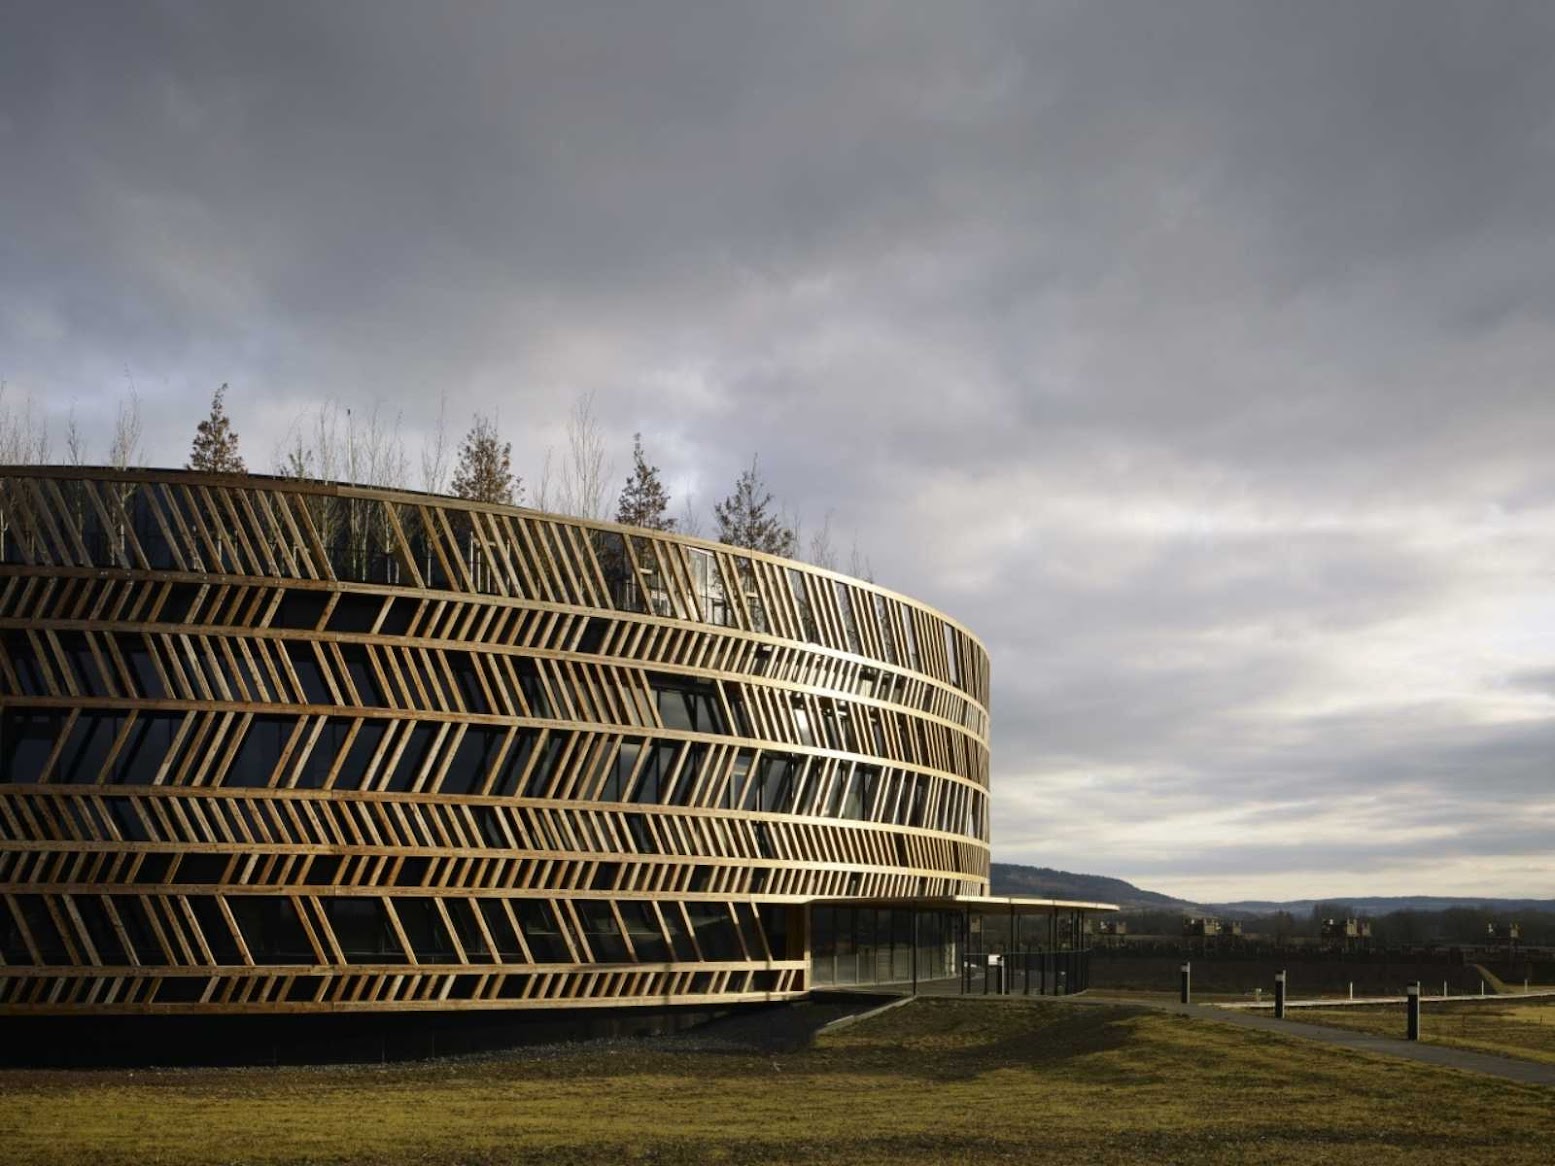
[
  {"x": 1508, "y": 1068},
  {"x": 1432, "y": 1002}
]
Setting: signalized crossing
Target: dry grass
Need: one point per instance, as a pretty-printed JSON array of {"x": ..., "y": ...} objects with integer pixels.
[
  {"x": 1511, "y": 1028},
  {"x": 940, "y": 1081}
]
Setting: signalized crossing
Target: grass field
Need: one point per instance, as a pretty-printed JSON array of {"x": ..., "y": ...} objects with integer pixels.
[
  {"x": 938, "y": 1081},
  {"x": 1511, "y": 1028}
]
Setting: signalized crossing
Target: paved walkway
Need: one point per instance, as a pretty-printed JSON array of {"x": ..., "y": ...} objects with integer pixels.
[
  {"x": 1267, "y": 1003},
  {"x": 1508, "y": 1068}
]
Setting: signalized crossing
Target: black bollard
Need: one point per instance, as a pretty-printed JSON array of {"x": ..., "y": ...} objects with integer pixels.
[
  {"x": 1187, "y": 973},
  {"x": 1279, "y": 995},
  {"x": 1412, "y": 999}
]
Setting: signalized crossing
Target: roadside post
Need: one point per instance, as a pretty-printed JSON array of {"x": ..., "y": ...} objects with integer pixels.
[
  {"x": 1412, "y": 999},
  {"x": 1187, "y": 973},
  {"x": 1279, "y": 995}
]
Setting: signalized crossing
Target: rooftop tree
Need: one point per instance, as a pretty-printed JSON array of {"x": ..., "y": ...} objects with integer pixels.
[
  {"x": 746, "y": 517},
  {"x": 644, "y": 501},
  {"x": 215, "y": 448},
  {"x": 485, "y": 469}
]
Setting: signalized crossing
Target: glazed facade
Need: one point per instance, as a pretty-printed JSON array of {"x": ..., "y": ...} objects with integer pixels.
[{"x": 270, "y": 745}]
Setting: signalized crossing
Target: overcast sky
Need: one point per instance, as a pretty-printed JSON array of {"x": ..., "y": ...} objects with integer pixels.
[{"x": 1197, "y": 356}]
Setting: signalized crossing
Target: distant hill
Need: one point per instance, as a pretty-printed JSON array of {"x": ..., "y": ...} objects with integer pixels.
[
  {"x": 1041, "y": 882},
  {"x": 1374, "y": 906}
]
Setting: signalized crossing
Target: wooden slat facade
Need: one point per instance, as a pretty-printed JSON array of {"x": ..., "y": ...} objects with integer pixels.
[{"x": 280, "y": 746}]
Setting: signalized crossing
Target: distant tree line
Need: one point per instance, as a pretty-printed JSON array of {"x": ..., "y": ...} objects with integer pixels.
[
  {"x": 366, "y": 448},
  {"x": 1407, "y": 927}
]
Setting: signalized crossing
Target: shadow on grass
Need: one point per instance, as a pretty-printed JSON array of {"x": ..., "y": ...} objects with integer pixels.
[{"x": 950, "y": 1040}]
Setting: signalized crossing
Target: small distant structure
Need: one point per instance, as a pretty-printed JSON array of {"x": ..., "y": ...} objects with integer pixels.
[
  {"x": 1346, "y": 934},
  {"x": 1111, "y": 932},
  {"x": 1505, "y": 933},
  {"x": 1207, "y": 930}
]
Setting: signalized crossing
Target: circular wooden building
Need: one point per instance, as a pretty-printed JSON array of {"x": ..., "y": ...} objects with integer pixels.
[{"x": 276, "y": 746}]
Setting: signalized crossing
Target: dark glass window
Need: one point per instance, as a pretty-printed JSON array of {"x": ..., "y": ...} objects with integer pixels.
[
  {"x": 153, "y": 869},
  {"x": 462, "y": 665},
  {"x": 180, "y": 603},
  {"x": 179, "y": 989},
  {"x": 86, "y": 748},
  {"x": 305, "y": 664},
  {"x": 424, "y": 929},
  {"x": 413, "y": 872},
  {"x": 44, "y": 934},
  {"x": 199, "y": 869},
  {"x": 647, "y": 940},
  {"x": 260, "y": 752},
  {"x": 715, "y": 931},
  {"x": 750, "y": 928},
  {"x": 271, "y": 929},
  {"x": 101, "y": 931},
  {"x": 323, "y": 870},
  {"x": 533, "y": 690},
  {"x": 592, "y": 638},
  {"x": 27, "y": 738},
  {"x": 146, "y": 748},
  {"x": 18, "y": 648},
  {"x": 466, "y": 773},
  {"x": 778, "y": 791},
  {"x": 502, "y": 933},
  {"x": 686, "y": 780},
  {"x": 213, "y": 925},
  {"x": 540, "y": 776},
  {"x": 656, "y": 768},
  {"x": 353, "y": 770},
  {"x": 365, "y": 680},
  {"x": 604, "y": 936},
  {"x": 541, "y": 932},
  {"x": 81, "y": 661},
  {"x": 137, "y": 658},
  {"x": 468, "y": 929},
  {"x": 774, "y": 921},
  {"x": 687, "y": 705},
  {"x": 300, "y": 609},
  {"x": 362, "y": 930},
  {"x": 412, "y": 757},
  {"x": 680, "y": 940},
  {"x": 620, "y": 771},
  {"x": 506, "y": 782},
  {"x": 137, "y": 926},
  {"x": 354, "y": 612},
  {"x": 398, "y": 618},
  {"x": 312, "y": 771},
  {"x": 610, "y": 548},
  {"x": 129, "y": 824}
]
